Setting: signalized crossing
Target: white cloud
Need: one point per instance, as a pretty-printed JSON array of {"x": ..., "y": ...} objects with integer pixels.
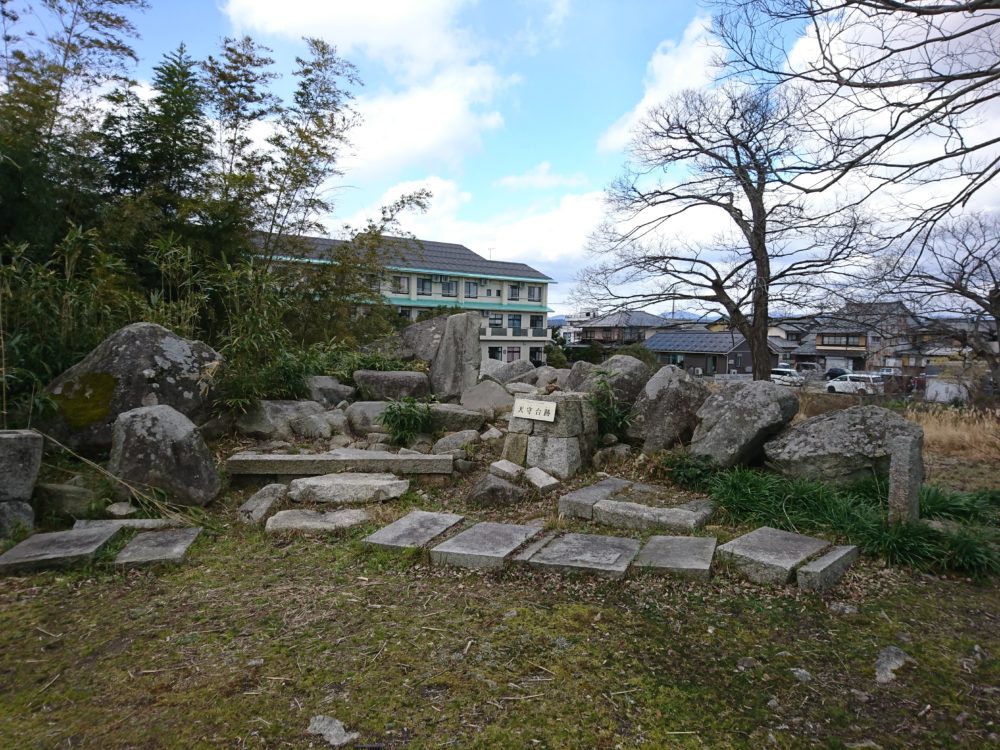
[
  {"x": 541, "y": 177},
  {"x": 675, "y": 66}
]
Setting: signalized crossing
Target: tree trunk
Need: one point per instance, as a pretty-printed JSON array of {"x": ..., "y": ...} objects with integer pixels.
[{"x": 759, "y": 352}]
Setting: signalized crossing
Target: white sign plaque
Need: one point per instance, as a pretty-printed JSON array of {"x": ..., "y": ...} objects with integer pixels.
[{"x": 543, "y": 411}]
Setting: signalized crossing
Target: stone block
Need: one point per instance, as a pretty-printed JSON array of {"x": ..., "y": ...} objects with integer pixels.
[
  {"x": 347, "y": 488},
  {"x": 515, "y": 447},
  {"x": 635, "y": 516},
  {"x": 453, "y": 418},
  {"x": 455, "y": 442},
  {"x": 532, "y": 547},
  {"x": 558, "y": 456},
  {"x": 15, "y": 515},
  {"x": 488, "y": 398},
  {"x": 58, "y": 549},
  {"x": 341, "y": 459},
  {"x": 153, "y": 547},
  {"x": 364, "y": 417},
  {"x": 541, "y": 481},
  {"x": 906, "y": 475},
  {"x": 607, "y": 556},
  {"x": 256, "y": 509},
  {"x": 683, "y": 556},
  {"x": 415, "y": 529},
  {"x": 311, "y": 426},
  {"x": 485, "y": 545},
  {"x": 379, "y": 385},
  {"x": 770, "y": 555},
  {"x": 64, "y": 499},
  {"x": 311, "y": 520},
  {"x": 506, "y": 470},
  {"x": 580, "y": 503},
  {"x": 20, "y": 460},
  {"x": 328, "y": 390},
  {"x": 824, "y": 572},
  {"x": 492, "y": 491},
  {"x": 128, "y": 523}
]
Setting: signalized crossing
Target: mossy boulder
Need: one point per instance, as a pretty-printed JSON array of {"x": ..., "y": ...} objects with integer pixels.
[{"x": 143, "y": 364}]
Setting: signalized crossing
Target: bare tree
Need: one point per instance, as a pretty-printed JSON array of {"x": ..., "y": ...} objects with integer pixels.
[
  {"x": 905, "y": 88},
  {"x": 731, "y": 158}
]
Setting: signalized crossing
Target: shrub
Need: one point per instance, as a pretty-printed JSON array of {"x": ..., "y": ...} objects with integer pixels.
[
  {"x": 555, "y": 356},
  {"x": 613, "y": 416},
  {"x": 406, "y": 418},
  {"x": 686, "y": 470},
  {"x": 641, "y": 353}
]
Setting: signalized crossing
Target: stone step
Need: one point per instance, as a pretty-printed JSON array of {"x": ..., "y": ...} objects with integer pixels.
[
  {"x": 347, "y": 488},
  {"x": 259, "y": 505},
  {"x": 143, "y": 524},
  {"x": 580, "y": 503},
  {"x": 485, "y": 545},
  {"x": 632, "y": 505},
  {"x": 769, "y": 555},
  {"x": 824, "y": 572},
  {"x": 415, "y": 529},
  {"x": 636, "y": 516},
  {"x": 152, "y": 547},
  {"x": 57, "y": 549},
  {"x": 607, "y": 556},
  {"x": 312, "y": 520},
  {"x": 684, "y": 556},
  {"x": 332, "y": 462}
]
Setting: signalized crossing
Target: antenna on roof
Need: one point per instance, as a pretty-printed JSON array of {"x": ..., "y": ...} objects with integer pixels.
[{"x": 490, "y": 251}]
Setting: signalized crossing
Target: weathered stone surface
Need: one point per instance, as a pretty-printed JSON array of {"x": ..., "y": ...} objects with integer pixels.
[
  {"x": 559, "y": 456},
  {"x": 611, "y": 456},
  {"x": 601, "y": 555},
  {"x": 421, "y": 340},
  {"x": 337, "y": 420},
  {"x": 906, "y": 475},
  {"x": 491, "y": 490},
  {"x": 575, "y": 417},
  {"x": 515, "y": 448},
  {"x": 331, "y": 730},
  {"x": 626, "y": 375},
  {"x": 365, "y": 416},
  {"x": 311, "y": 427},
  {"x": 64, "y": 499},
  {"x": 342, "y": 459},
  {"x": 511, "y": 371},
  {"x": 455, "y": 442},
  {"x": 491, "y": 435},
  {"x": 628, "y": 515},
  {"x": 128, "y": 523},
  {"x": 15, "y": 515},
  {"x": 327, "y": 390},
  {"x": 520, "y": 389},
  {"x": 121, "y": 509},
  {"x": 845, "y": 446},
  {"x": 769, "y": 555},
  {"x": 666, "y": 412},
  {"x": 484, "y": 546},
  {"x": 562, "y": 378},
  {"x": 684, "y": 556},
  {"x": 256, "y": 509},
  {"x": 452, "y": 417},
  {"x": 580, "y": 503},
  {"x": 738, "y": 420},
  {"x": 541, "y": 481},
  {"x": 377, "y": 385},
  {"x": 142, "y": 364},
  {"x": 824, "y": 572},
  {"x": 488, "y": 367},
  {"x": 415, "y": 529},
  {"x": 506, "y": 470},
  {"x": 455, "y": 366},
  {"x": 488, "y": 398},
  {"x": 152, "y": 547},
  {"x": 347, "y": 488},
  {"x": 271, "y": 420},
  {"x": 20, "y": 459},
  {"x": 158, "y": 447},
  {"x": 56, "y": 550},
  {"x": 889, "y": 660},
  {"x": 545, "y": 376},
  {"x": 311, "y": 520},
  {"x": 533, "y": 546}
]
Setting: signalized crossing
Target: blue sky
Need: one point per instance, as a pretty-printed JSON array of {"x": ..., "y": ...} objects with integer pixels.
[{"x": 515, "y": 114}]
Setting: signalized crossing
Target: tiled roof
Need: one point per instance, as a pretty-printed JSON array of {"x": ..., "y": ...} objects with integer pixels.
[
  {"x": 808, "y": 346},
  {"x": 627, "y": 319},
  {"x": 426, "y": 255},
  {"x": 694, "y": 342}
]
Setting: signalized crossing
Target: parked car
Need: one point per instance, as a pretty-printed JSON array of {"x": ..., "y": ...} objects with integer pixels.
[
  {"x": 834, "y": 372},
  {"x": 860, "y": 383},
  {"x": 786, "y": 376},
  {"x": 809, "y": 370}
]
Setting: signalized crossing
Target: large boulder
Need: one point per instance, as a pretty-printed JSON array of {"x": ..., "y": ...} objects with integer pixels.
[
  {"x": 666, "y": 412},
  {"x": 421, "y": 340},
  {"x": 276, "y": 420},
  {"x": 455, "y": 442},
  {"x": 376, "y": 385},
  {"x": 456, "y": 364},
  {"x": 488, "y": 398},
  {"x": 735, "y": 423},
  {"x": 489, "y": 366},
  {"x": 492, "y": 491},
  {"x": 626, "y": 375},
  {"x": 452, "y": 418},
  {"x": 364, "y": 417},
  {"x": 140, "y": 365},
  {"x": 327, "y": 390},
  {"x": 157, "y": 447},
  {"x": 511, "y": 371},
  {"x": 20, "y": 460},
  {"x": 840, "y": 447}
]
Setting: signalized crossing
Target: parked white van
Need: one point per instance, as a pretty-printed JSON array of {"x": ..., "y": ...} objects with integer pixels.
[{"x": 856, "y": 382}]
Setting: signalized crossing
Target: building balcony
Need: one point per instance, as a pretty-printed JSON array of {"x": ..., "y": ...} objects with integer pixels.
[{"x": 487, "y": 332}]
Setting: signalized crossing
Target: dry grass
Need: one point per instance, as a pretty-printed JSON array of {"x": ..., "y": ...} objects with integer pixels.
[{"x": 971, "y": 433}]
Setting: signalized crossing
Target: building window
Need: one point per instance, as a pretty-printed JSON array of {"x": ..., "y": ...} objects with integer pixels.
[
  {"x": 374, "y": 282},
  {"x": 496, "y": 320},
  {"x": 534, "y": 294},
  {"x": 838, "y": 339},
  {"x": 495, "y": 352},
  {"x": 514, "y": 321},
  {"x": 672, "y": 359},
  {"x": 535, "y": 355},
  {"x": 489, "y": 292},
  {"x": 536, "y": 321},
  {"x": 424, "y": 287},
  {"x": 401, "y": 284},
  {"x": 513, "y": 292},
  {"x": 449, "y": 288},
  {"x": 513, "y": 353},
  {"x": 498, "y": 294},
  {"x": 471, "y": 289}
]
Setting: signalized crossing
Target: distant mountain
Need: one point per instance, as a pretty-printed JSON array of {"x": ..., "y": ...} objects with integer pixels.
[
  {"x": 557, "y": 320},
  {"x": 681, "y": 315}
]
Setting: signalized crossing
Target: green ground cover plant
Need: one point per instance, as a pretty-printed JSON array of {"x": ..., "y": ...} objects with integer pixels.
[{"x": 405, "y": 418}]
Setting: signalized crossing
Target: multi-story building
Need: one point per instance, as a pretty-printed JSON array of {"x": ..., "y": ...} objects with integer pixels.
[{"x": 421, "y": 276}]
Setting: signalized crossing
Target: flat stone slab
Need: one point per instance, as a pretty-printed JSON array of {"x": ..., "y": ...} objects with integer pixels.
[
  {"x": 580, "y": 503},
  {"x": 684, "y": 556},
  {"x": 636, "y": 516},
  {"x": 153, "y": 547},
  {"x": 342, "y": 459},
  {"x": 58, "y": 549},
  {"x": 541, "y": 481},
  {"x": 128, "y": 523},
  {"x": 256, "y": 509},
  {"x": 506, "y": 470},
  {"x": 415, "y": 529},
  {"x": 769, "y": 555},
  {"x": 525, "y": 555},
  {"x": 601, "y": 555},
  {"x": 824, "y": 572},
  {"x": 348, "y": 488},
  {"x": 485, "y": 545},
  {"x": 313, "y": 520}
]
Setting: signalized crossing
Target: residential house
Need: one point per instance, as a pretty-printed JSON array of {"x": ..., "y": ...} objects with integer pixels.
[
  {"x": 422, "y": 276},
  {"x": 619, "y": 328},
  {"x": 572, "y": 330},
  {"x": 859, "y": 336},
  {"x": 706, "y": 353}
]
